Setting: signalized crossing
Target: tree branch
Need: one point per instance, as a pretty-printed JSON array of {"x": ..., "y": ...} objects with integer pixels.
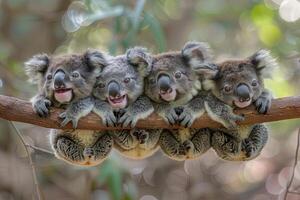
[{"x": 21, "y": 111}]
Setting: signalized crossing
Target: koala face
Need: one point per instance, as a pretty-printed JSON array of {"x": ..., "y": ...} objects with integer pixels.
[
  {"x": 121, "y": 81},
  {"x": 64, "y": 78},
  {"x": 172, "y": 78},
  {"x": 240, "y": 82}
]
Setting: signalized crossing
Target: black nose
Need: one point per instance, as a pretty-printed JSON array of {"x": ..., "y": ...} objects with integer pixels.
[
  {"x": 164, "y": 83},
  {"x": 113, "y": 89},
  {"x": 243, "y": 92},
  {"x": 59, "y": 80}
]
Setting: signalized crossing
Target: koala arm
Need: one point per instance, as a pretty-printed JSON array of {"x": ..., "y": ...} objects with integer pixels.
[
  {"x": 105, "y": 112},
  {"x": 41, "y": 104},
  {"x": 263, "y": 102},
  {"x": 221, "y": 112},
  {"x": 76, "y": 110},
  {"x": 140, "y": 109}
]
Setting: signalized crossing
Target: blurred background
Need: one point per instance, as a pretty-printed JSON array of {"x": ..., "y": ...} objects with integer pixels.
[{"x": 233, "y": 29}]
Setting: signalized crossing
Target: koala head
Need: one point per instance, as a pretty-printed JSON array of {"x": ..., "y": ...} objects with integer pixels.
[
  {"x": 65, "y": 78},
  {"x": 239, "y": 82},
  {"x": 121, "y": 81},
  {"x": 172, "y": 77}
]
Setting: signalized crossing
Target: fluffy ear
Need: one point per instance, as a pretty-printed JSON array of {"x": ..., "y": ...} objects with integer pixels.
[
  {"x": 95, "y": 60},
  {"x": 196, "y": 53},
  {"x": 141, "y": 59},
  {"x": 36, "y": 67},
  {"x": 207, "y": 70},
  {"x": 264, "y": 63}
]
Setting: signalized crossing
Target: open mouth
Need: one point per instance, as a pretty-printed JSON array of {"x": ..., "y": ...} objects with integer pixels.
[
  {"x": 169, "y": 95},
  {"x": 63, "y": 95},
  {"x": 242, "y": 103},
  {"x": 118, "y": 102}
]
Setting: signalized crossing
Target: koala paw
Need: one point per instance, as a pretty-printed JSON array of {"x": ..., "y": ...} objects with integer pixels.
[
  {"x": 41, "y": 107},
  {"x": 187, "y": 146},
  {"x": 262, "y": 104},
  {"x": 248, "y": 148},
  {"x": 141, "y": 135},
  {"x": 109, "y": 119},
  {"x": 68, "y": 118},
  {"x": 171, "y": 116},
  {"x": 186, "y": 118},
  {"x": 128, "y": 119}
]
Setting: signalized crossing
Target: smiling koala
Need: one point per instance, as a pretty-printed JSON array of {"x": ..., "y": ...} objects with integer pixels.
[
  {"x": 67, "y": 82},
  {"x": 239, "y": 83}
]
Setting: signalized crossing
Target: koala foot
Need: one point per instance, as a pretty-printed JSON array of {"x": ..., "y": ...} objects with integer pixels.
[
  {"x": 68, "y": 118},
  {"x": 69, "y": 149},
  {"x": 262, "y": 104},
  {"x": 187, "y": 146},
  {"x": 248, "y": 148},
  {"x": 41, "y": 107},
  {"x": 141, "y": 135}
]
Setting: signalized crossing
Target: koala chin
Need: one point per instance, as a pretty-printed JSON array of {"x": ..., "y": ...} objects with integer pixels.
[
  {"x": 238, "y": 83},
  {"x": 67, "y": 82}
]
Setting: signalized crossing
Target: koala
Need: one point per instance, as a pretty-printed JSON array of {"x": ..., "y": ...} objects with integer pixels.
[
  {"x": 67, "y": 82},
  {"x": 239, "y": 83},
  {"x": 173, "y": 87},
  {"x": 119, "y": 100}
]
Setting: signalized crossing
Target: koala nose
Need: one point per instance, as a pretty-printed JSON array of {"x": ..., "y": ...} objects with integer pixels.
[
  {"x": 243, "y": 92},
  {"x": 113, "y": 89},
  {"x": 59, "y": 79},
  {"x": 164, "y": 83}
]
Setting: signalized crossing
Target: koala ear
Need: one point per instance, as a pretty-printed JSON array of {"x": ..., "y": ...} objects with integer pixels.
[
  {"x": 196, "y": 53},
  {"x": 264, "y": 63},
  {"x": 36, "y": 67},
  {"x": 207, "y": 70},
  {"x": 95, "y": 60},
  {"x": 141, "y": 59}
]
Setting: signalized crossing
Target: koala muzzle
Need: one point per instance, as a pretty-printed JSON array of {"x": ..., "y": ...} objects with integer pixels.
[
  {"x": 59, "y": 80},
  {"x": 243, "y": 92},
  {"x": 164, "y": 83},
  {"x": 114, "y": 89}
]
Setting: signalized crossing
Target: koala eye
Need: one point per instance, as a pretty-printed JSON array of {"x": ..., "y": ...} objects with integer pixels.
[
  {"x": 126, "y": 80},
  {"x": 254, "y": 83},
  {"x": 178, "y": 75},
  {"x": 49, "y": 76},
  {"x": 101, "y": 85},
  {"x": 227, "y": 88},
  {"x": 75, "y": 74}
]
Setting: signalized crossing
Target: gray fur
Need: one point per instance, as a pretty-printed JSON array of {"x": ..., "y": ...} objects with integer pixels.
[{"x": 183, "y": 144}]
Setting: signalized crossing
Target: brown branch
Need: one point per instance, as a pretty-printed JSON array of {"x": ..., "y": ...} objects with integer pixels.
[{"x": 21, "y": 111}]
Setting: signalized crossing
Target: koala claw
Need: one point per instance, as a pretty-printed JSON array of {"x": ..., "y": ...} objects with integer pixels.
[
  {"x": 171, "y": 117},
  {"x": 186, "y": 119},
  {"x": 141, "y": 135},
  {"x": 127, "y": 119},
  {"x": 66, "y": 119},
  {"x": 262, "y": 105},
  {"x": 109, "y": 119},
  {"x": 41, "y": 107}
]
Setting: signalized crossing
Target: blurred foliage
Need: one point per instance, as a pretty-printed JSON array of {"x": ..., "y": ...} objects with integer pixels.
[{"x": 232, "y": 28}]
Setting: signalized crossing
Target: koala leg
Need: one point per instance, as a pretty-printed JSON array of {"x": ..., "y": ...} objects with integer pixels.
[
  {"x": 125, "y": 139},
  {"x": 140, "y": 109},
  {"x": 102, "y": 147},
  {"x": 253, "y": 145},
  {"x": 221, "y": 112},
  {"x": 198, "y": 144},
  {"x": 193, "y": 110},
  {"x": 65, "y": 147},
  {"x": 263, "y": 102},
  {"x": 226, "y": 146},
  {"x": 171, "y": 144},
  {"x": 40, "y": 105},
  {"x": 105, "y": 112},
  {"x": 76, "y": 110},
  {"x": 148, "y": 138}
]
